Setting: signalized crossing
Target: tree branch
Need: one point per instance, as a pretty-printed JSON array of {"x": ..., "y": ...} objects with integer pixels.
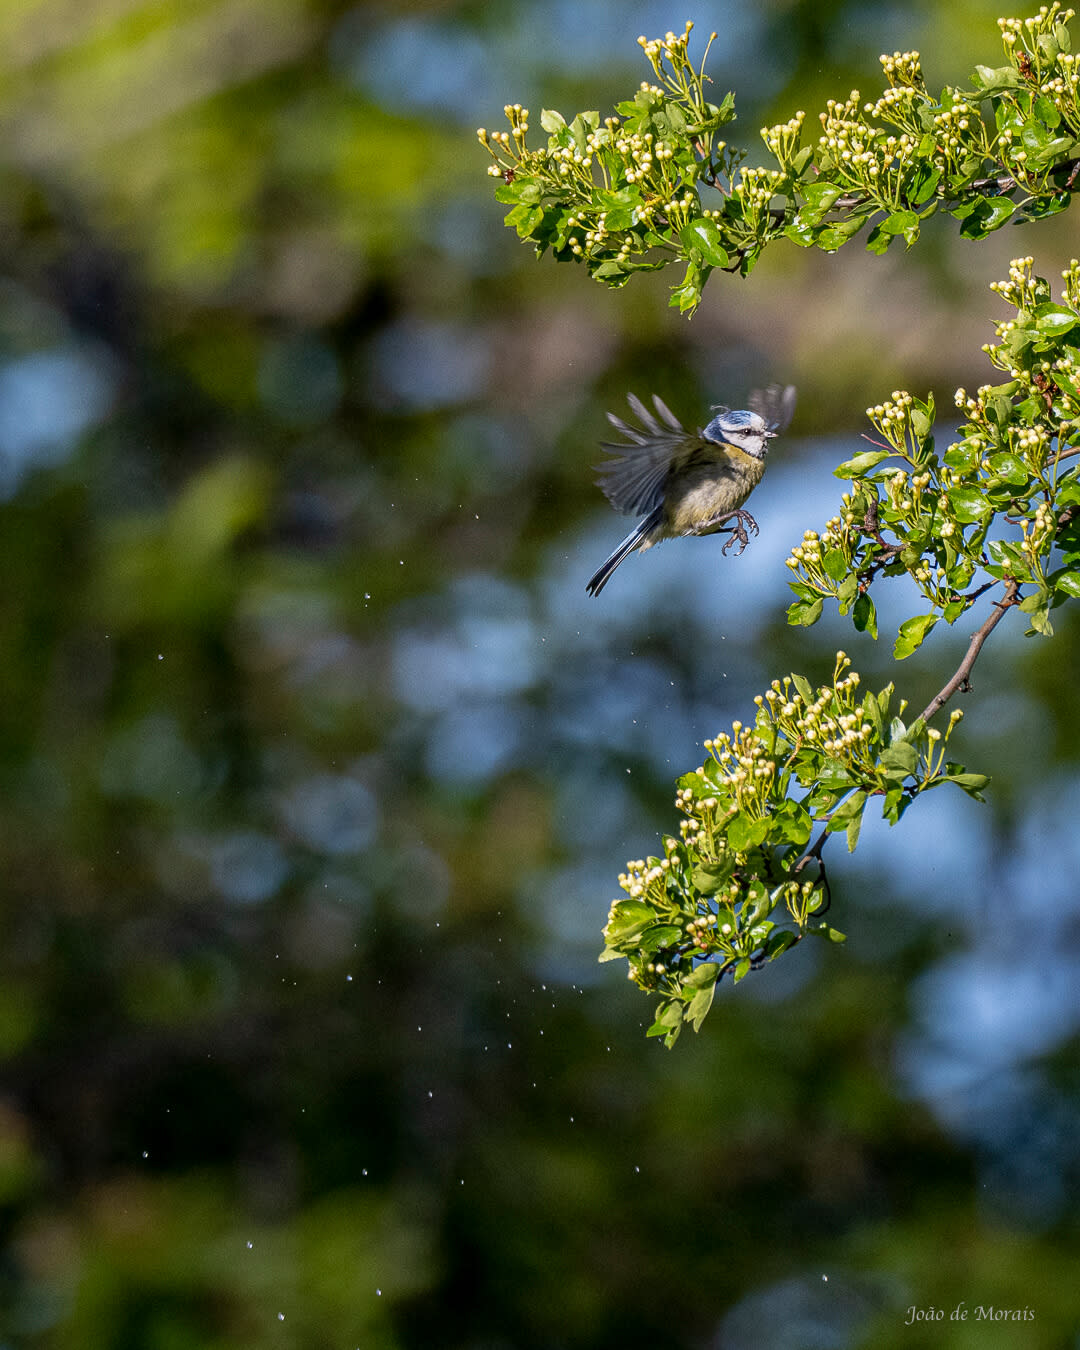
[{"x": 961, "y": 678}]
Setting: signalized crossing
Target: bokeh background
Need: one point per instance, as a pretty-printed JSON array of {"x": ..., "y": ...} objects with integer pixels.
[{"x": 318, "y": 765}]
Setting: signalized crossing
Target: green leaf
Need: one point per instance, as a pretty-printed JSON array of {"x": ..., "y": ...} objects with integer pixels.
[
  {"x": 801, "y": 232},
  {"x": 696, "y": 782},
  {"x": 699, "y": 1006},
  {"x": 612, "y": 272},
  {"x": 708, "y": 878},
  {"x": 899, "y": 222},
  {"x": 848, "y": 816},
  {"x": 860, "y": 465},
  {"x": 864, "y": 615},
  {"x": 847, "y": 591},
  {"x": 739, "y": 832},
  {"x": 1068, "y": 583},
  {"x": 525, "y": 219},
  {"x": 620, "y": 217},
  {"x": 849, "y": 807},
  {"x": 804, "y": 613},
  {"x": 896, "y": 803},
  {"x": 1046, "y": 111},
  {"x": 969, "y": 505},
  {"x": 1054, "y": 320},
  {"x": 687, "y": 295},
  {"x": 990, "y": 81},
  {"x": 833, "y": 774},
  {"x": 912, "y": 634},
  {"x": 800, "y": 160},
  {"x": 791, "y": 822},
  {"x": 659, "y": 935},
  {"x": 702, "y": 976},
  {"x": 823, "y": 930},
  {"x": 522, "y": 189},
  {"x": 552, "y": 121},
  {"x": 581, "y": 126},
  {"x": 913, "y": 734},
  {"x": 668, "y": 1022},
  {"x": 1048, "y": 204},
  {"x": 877, "y": 241},
  {"x": 743, "y": 968},
  {"x": 1008, "y": 466},
  {"x": 802, "y": 684},
  {"x": 821, "y": 801},
  {"x": 780, "y": 939},
  {"x": 962, "y": 456},
  {"x": 834, "y": 564},
  {"x": 822, "y": 194},
  {"x": 1035, "y": 138},
  {"x": 972, "y": 783},
  {"x": 924, "y": 183},
  {"x": 922, "y": 419},
  {"x": 628, "y": 919},
  {"x": 704, "y": 235},
  {"x": 1020, "y": 338},
  {"x": 1037, "y": 607},
  {"x": 988, "y": 214},
  {"x": 1007, "y": 555},
  {"x": 837, "y": 233},
  {"x": 899, "y": 760},
  {"x": 871, "y": 710},
  {"x": 757, "y": 905}
]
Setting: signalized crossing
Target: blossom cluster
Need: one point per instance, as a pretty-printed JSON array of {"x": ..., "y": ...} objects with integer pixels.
[
  {"x": 944, "y": 519},
  {"x": 740, "y": 885}
]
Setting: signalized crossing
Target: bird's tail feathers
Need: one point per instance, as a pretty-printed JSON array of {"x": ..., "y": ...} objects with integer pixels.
[{"x": 633, "y": 541}]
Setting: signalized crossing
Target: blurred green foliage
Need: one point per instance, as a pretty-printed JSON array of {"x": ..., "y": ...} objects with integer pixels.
[{"x": 313, "y": 770}]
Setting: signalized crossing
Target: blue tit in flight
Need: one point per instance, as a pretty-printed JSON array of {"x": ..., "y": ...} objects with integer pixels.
[{"x": 689, "y": 482}]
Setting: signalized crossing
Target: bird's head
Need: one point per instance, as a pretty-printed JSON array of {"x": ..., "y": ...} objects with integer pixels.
[{"x": 746, "y": 431}]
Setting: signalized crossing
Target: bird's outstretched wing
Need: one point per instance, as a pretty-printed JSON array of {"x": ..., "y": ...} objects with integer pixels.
[
  {"x": 633, "y": 479},
  {"x": 776, "y": 405}
]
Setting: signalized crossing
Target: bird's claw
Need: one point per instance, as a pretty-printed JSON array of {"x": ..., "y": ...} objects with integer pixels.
[{"x": 743, "y": 521}]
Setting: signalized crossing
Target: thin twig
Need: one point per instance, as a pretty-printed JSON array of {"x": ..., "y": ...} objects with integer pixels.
[
  {"x": 813, "y": 852},
  {"x": 961, "y": 677},
  {"x": 871, "y": 527},
  {"x": 972, "y": 596}
]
